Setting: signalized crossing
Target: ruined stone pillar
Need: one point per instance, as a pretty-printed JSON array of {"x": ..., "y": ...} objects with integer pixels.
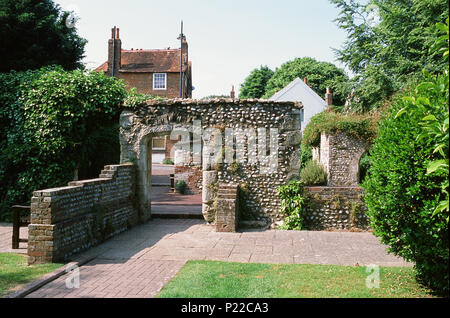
[{"x": 209, "y": 194}]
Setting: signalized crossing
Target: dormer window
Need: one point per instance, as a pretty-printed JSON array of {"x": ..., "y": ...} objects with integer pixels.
[{"x": 159, "y": 81}]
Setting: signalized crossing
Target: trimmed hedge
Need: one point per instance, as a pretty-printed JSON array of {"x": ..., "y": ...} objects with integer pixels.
[{"x": 406, "y": 195}]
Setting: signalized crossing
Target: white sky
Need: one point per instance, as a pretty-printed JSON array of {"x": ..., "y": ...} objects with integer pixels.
[{"x": 227, "y": 39}]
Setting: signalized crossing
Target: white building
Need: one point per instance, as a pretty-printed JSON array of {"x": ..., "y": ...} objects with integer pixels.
[{"x": 299, "y": 91}]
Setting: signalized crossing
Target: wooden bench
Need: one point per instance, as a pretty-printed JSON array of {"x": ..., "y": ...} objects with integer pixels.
[{"x": 19, "y": 221}]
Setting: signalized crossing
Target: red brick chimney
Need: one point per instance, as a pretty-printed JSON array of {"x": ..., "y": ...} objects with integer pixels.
[
  {"x": 114, "y": 52},
  {"x": 306, "y": 81},
  {"x": 185, "y": 48},
  {"x": 232, "y": 94},
  {"x": 329, "y": 97}
]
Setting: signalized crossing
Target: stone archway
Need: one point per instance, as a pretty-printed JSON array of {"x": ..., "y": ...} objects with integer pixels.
[
  {"x": 340, "y": 154},
  {"x": 264, "y": 117}
]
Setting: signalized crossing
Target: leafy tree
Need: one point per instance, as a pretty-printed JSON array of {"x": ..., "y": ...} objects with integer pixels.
[
  {"x": 388, "y": 42},
  {"x": 254, "y": 85},
  {"x": 320, "y": 75},
  {"x": 35, "y": 33}
]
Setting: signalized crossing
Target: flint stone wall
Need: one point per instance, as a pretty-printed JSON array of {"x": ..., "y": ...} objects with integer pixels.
[
  {"x": 68, "y": 220},
  {"x": 341, "y": 208},
  {"x": 192, "y": 175},
  {"x": 340, "y": 154},
  {"x": 159, "y": 117}
]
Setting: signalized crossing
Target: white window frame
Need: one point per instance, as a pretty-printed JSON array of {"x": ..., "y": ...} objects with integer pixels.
[
  {"x": 159, "y": 138},
  {"x": 165, "y": 82}
]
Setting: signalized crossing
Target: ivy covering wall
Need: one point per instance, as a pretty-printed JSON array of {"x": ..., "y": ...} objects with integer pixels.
[{"x": 54, "y": 123}]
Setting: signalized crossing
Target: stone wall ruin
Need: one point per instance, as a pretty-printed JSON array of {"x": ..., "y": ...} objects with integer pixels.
[{"x": 208, "y": 122}]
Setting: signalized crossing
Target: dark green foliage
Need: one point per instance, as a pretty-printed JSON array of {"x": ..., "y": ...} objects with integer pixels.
[
  {"x": 364, "y": 166},
  {"x": 181, "y": 187},
  {"x": 401, "y": 195},
  {"x": 168, "y": 162},
  {"x": 385, "y": 55},
  {"x": 254, "y": 85},
  {"x": 293, "y": 202},
  {"x": 407, "y": 189},
  {"x": 305, "y": 155},
  {"x": 135, "y": 99},
  {"x": 33, "y": 33},
  {"x": 53, "y": 122},
  {"x": 361, "y": 126},
  {"x": 320, "y": 75},
  {"x": 313, "y": 174}
]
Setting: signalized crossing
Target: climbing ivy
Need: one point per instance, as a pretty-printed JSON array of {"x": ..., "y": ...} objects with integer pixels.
[
  {"x": 53, "y": 122},
  {"x": 293, "y": 204}
]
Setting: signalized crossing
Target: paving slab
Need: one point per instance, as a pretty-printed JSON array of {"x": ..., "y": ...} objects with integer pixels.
[
  {"x": 6, "y": 230},
  {"x": 138, "y": 263}
]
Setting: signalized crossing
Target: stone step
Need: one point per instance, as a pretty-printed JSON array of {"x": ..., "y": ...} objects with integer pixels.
[
  {"x": 177, "y": 212},
  {"x": 227, "y": 186},
  {"x": 227, "y": 196},
  {"x": 227, "y": 191}
]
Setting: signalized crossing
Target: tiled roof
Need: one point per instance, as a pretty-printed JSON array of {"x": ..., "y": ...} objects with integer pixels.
[
  {"x": 148, "y": 61},
  {"x": 102, "y": 68}
]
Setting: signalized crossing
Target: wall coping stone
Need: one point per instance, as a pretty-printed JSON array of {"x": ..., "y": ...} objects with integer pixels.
[
  {"x": 324, "y": 188},
  {"x": 217, "y": 101}
]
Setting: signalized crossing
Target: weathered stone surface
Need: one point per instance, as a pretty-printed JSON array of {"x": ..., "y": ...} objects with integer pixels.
[
  {"x": 216, "y": 116},
  {"x": 340, "y": 154},
  {"x": 69, "y": 219},
  {"x": 336, "y": 208}
]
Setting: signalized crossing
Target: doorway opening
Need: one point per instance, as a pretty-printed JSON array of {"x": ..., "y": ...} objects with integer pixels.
[{"x": 164, "y": 174}]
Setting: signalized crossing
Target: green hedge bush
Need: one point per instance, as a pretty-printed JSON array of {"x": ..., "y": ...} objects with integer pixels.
[
  {"x": 407, "y": 188},
  {"x": 402, "y": 195},
  {"x": 53, "y": 122}
]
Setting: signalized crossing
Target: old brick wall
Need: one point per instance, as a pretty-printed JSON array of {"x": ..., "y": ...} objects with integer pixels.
[
  {"x": 341, "y": 208},
  {"x": 144, "y": 83},
  {"x": 67, "y": 220}
]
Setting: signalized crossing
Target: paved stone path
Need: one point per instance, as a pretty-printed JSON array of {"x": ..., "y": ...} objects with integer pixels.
[
  {"x": 139, "y": 262},
  {"x": 166, "y": 203},
  {"x": 6, "y": 239}
]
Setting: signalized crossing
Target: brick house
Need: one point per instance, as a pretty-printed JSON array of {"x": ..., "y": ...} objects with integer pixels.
[{"x": 154, "y": 72}]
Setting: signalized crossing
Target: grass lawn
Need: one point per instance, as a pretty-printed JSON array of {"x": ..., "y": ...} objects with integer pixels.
[
  {"x": 15, "y": 272},
  {"x": 211, "y": 279}
]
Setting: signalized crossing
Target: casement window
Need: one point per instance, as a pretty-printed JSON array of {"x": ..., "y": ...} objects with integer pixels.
[
  {"x": 159, "y": 143},
  {"x": 159, "y": 81}
]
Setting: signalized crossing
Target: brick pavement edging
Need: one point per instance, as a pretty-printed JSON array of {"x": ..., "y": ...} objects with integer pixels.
[{"x": 35, "y": 285}]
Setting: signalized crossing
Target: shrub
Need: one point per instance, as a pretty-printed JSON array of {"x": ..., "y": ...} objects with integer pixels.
[
  {"x": 53, "y": 122},
  {"x": 305, "y": 155},
  {"x": 360, "y": 126},
  {"x": 168, "y": 162},
  {"x": 293, "y": 202},
  {"x": 135, "y": 99},
  {"x": 181, "y": 187},
  {"x": 407, "y": 189},
  {"x": 401, "y": 195},
  {"x": 313, "y": 174}
]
